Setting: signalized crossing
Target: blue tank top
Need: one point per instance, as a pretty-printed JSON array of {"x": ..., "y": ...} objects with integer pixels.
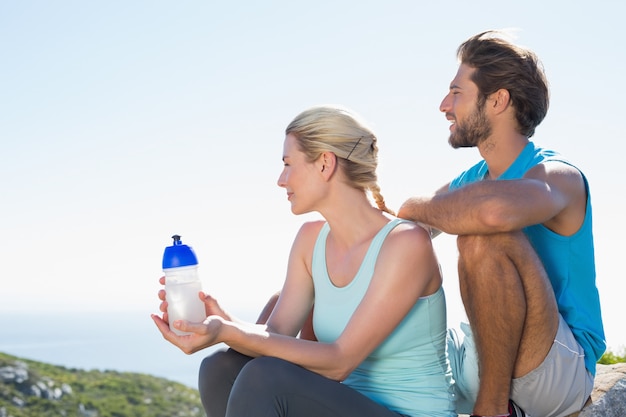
[
  {"x": 569, "y": 260},
  {"x": 408, "y": 372}
]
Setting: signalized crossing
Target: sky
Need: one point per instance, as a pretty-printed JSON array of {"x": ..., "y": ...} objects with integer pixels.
[{"x": 125, "y": 122}]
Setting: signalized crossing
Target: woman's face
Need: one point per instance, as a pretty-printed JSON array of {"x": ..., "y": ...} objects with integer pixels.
[{"x": 300, "y": 178}]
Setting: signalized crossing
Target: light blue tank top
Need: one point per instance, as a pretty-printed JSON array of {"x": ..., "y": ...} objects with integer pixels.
[
  {"x": 569, "y": 260},
  {"x": 409, "y": 372}
]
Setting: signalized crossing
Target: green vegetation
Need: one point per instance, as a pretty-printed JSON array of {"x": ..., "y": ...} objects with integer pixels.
[
  {"x": 610, "y": 357},
  {"x": 35, "y": 389}
]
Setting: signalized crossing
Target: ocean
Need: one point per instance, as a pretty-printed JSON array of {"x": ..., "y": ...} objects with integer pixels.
[{"x": 125, "y": 342}]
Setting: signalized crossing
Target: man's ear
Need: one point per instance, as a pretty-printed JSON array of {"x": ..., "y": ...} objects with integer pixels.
[
  {"x": 500, "y": 100},
  {"x": 327, "y": 163}
]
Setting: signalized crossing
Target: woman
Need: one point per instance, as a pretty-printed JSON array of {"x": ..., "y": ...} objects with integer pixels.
[{"x": 379, "y": 314}]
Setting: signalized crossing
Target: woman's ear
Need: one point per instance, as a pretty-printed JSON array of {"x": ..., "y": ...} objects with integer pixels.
[{"x": 327, "y": 163}]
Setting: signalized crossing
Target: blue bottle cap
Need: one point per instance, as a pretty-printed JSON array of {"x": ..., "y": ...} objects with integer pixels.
[{"x": 178, "y": 255}]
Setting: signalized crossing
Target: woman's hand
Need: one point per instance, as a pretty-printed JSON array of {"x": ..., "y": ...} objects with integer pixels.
[
  {"x": 202, "y": 335},
  {"x": 211, "y": 306},
  {"x": 163, "y": 305}
]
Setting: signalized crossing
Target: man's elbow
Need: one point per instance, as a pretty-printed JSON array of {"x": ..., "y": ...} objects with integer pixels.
[
  {"x": 494, "y": 218},
  {"x": 497, "y": 221}
]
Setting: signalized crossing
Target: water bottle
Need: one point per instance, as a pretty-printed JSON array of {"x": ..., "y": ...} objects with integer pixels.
[{"x": 182, "y": 284}]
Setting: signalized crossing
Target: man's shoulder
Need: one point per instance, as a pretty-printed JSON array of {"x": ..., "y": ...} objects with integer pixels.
[{"x": 474, "y": 173}]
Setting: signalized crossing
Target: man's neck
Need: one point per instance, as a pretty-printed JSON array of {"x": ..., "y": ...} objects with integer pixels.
[{"x": 499, "y": 152}]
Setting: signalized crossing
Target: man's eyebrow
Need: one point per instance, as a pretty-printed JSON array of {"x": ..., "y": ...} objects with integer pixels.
[{"x": 455, "y": 86}]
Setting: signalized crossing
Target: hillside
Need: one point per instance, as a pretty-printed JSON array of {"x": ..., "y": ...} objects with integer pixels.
[{"x": 35, "y": 389}]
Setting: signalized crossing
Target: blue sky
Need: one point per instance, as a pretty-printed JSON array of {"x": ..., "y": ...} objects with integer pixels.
[{"x": 125, "y": 122}]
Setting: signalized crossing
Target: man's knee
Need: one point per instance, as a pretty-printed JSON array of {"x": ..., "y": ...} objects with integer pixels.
[
  {"x": 470, "y": 245},
  {"x": 475, "y": 249},
  {"x": 480, "y": 246}
]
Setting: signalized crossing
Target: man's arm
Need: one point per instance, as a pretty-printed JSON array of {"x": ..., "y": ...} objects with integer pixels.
[
  {"x": 406, "y": 212},
  {"x": 552, "y": 194}
]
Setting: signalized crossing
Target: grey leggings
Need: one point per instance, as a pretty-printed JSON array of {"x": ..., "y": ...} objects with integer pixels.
[{"x": 235, "y": 385}]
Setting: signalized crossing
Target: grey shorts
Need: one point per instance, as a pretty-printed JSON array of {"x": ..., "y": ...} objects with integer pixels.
[{"x": 559, "y": 386}]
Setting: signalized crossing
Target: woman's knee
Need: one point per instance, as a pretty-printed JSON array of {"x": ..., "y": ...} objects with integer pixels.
[
  {"x": 220, "y": 367},
  {"x": 216, "y": 376},
  {"x": 259, "y": 368},
  {"x": 215, "y": 363},
  {"x": 257, "y": 373}
]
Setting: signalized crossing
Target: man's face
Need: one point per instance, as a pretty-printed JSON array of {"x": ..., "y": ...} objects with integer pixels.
[{"x": 470, "y": 125}]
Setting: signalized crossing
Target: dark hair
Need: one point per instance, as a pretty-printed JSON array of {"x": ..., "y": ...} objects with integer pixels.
[{"x": 500, "y": 64}]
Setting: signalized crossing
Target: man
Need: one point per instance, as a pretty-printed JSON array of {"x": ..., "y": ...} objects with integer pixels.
[{"x": 523, "y": 220}]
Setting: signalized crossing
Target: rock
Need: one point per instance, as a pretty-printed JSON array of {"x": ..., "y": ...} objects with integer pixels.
[
  {"x": 84, "y": 412},
  {"x": 14, "y": 374},
  {"x": 34, "y": 391},
  {"x": 608, "y": 398},
  {"x": 45, "y": 388},
  {"x": 18, "y": 402}
]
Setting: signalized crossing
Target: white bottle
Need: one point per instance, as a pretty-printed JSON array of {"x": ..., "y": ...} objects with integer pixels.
[{"x": 182, "y": 284}]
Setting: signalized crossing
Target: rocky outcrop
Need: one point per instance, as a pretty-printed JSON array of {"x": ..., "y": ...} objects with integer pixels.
[
  {"x": 44, "y": 387},
  {"x": 30, "y": 388},
  {"x": 608, "y": 398},
  {"x": 29, "y": 385}
]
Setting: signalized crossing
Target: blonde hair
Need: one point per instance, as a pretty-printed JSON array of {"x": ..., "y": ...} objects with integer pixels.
[{"x": 340, "y": 131}]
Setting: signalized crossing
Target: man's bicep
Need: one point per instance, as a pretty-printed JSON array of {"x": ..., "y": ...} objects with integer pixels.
[{"x": 443, "y": 189}]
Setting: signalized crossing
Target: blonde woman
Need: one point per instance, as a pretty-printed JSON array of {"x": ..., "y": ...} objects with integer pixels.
[{"x": 379, "y": 315}]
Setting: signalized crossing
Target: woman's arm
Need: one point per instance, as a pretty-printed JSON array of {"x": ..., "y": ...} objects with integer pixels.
[
  {"x": 406, "y": 270},
  {"x": 292, "y": 310}
]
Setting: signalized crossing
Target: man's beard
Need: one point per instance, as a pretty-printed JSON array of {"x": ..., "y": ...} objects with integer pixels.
[{"x": 472, "y": 131}]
